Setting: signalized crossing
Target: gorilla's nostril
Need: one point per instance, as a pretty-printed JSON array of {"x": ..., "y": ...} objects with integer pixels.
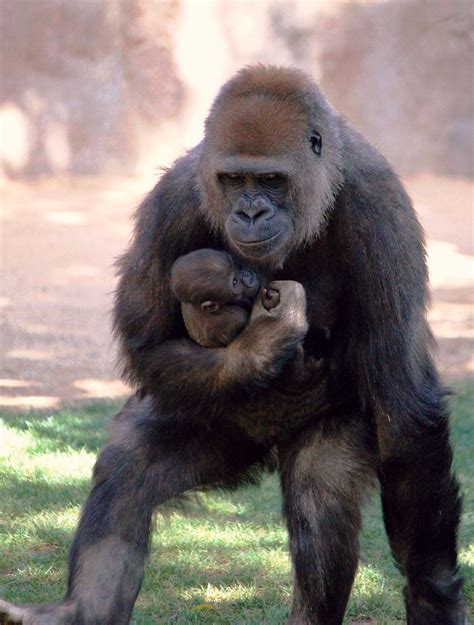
[{"x": 243, "y": 216}]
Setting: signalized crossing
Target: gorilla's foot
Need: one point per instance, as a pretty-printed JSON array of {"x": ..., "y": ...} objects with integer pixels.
[
  {"x": 443, "y": 604},
  {"x": 58, "y": 614}
]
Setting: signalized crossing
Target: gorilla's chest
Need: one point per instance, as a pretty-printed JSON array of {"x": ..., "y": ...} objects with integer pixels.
[
  {"x": 322, "y": 304},
  {"x": 322, "y": 294}
]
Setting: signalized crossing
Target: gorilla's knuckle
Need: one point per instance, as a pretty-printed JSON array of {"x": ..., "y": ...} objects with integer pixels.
[
  {"x": 292, "y": 294},
  {"x": 260, "y": 312},
  {"x": 288, "y": 287},
  {"x": 293, "y": 316}
]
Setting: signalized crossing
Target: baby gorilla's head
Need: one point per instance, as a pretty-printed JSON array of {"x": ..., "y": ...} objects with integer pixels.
[
  {"x": 212, "y": 278},
  {"x": 215, "y": 294}
]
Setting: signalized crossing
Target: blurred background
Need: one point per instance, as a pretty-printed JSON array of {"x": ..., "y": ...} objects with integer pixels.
[{"x": 98, "y": 95}]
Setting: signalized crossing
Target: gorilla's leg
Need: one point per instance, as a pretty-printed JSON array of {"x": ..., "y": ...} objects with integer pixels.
[
  {"x": 142, "y": 466},
  {"x": 421, "y": 505},
  {"x": 326, "y": 474}
]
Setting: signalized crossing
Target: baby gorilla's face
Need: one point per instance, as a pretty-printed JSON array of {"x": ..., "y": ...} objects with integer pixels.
[
  {"x": 211, "y": 279},
  {"x": 233, "y": 286}
]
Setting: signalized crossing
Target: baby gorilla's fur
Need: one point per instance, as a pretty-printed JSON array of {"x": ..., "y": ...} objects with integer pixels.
[{"x": 215, "y": 295}]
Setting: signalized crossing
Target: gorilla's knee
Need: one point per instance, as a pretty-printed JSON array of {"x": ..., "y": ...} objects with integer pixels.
[{"x": 111, "y": 462}]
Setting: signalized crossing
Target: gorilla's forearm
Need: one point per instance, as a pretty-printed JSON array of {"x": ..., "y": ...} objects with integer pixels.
[
  {"x": 269, "y": 403},
  {"x": 197, "y": 380},
  {"x": 188, "y": 379}
]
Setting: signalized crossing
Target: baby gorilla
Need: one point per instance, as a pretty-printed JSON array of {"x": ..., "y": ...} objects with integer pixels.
[{"x": 215, "y": 295}]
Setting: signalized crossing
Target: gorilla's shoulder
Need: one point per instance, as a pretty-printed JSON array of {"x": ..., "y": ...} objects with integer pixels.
[
  {"x": 374, "y": 209},
  {"x": 362, "y": 161},
  {"x": 169, "y": 218},
  {"x": 371, "y": 186},
  {"x": 177, "y": 191}
]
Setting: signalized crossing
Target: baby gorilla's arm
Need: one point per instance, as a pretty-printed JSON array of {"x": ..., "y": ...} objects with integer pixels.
[{"x": 214, "y": 329}]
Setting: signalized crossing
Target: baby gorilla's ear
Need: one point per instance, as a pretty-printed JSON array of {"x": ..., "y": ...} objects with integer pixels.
[{"x": 209, "y": 307}]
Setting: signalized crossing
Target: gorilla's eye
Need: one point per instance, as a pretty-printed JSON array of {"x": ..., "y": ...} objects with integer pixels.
[
  {"x": 234, "y": 281},
  {"x": 271, "y": 179},
  {"x": 316, "y": 143},
  {"x": 231, "y": 178}
]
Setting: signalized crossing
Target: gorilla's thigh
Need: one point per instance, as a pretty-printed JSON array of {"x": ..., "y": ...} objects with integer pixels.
[
  {"x": 147, "y": 461},
  {"x": 176, "y": 455},
  {"x": 326, "y": 474}
]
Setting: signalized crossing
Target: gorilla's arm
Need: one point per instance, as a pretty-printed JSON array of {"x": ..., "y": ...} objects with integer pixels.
[
  {"x": 381, "y": 248},
  {"x": 156, "y": 355}
]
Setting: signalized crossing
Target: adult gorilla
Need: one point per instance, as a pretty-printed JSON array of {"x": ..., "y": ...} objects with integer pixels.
[{"x": 281, "y": 182}]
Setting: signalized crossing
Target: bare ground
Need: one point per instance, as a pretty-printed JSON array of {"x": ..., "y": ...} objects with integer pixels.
[{"x": 59, "y": 240}]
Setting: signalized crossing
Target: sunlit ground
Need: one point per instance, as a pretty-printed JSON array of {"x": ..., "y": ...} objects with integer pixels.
[{"x": 226, "y": 562}]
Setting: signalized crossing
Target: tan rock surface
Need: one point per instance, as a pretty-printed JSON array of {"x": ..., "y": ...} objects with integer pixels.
[{"x": 97, "y": 86}]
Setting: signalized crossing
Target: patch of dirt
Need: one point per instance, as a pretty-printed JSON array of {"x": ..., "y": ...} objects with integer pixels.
[{"x": 59, "y": 241}]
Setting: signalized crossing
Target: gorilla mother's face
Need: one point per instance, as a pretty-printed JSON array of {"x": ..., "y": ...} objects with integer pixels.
[
  {"x": 265, "y": 180},
  {"x": 258, "y": 219}
]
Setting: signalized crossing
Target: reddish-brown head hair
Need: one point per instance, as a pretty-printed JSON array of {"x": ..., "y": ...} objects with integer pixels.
[{"x": 264, "y": 118}]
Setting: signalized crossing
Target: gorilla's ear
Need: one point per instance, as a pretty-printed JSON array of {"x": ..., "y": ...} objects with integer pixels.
[
  {"x": 316, "y": 142},
  {"x": 209, "y": 307}
]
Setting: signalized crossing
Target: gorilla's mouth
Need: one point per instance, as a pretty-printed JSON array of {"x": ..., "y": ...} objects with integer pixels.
[{"x": 259, "y": 242}]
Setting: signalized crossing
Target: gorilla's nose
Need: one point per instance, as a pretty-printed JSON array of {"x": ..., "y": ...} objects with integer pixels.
[{"x": 250, "y": 212}]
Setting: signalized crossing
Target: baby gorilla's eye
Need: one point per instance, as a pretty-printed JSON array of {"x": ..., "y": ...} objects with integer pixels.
[{"x": 234, "y": 281}]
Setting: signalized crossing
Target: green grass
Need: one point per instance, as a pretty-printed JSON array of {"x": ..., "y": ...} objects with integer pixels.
[{"x": 224, "y": 562}]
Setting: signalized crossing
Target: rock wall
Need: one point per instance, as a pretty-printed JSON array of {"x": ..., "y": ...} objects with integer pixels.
[
  {"x": 117, "y": 85},
  {"x": 405, "y": 79},
  {"x": 82, "y": 81}
]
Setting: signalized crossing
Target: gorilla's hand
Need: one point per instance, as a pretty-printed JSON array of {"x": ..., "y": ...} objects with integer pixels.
[
  {"x": 58, "y": 614},
  {"x": 183, "y": 375},
  {"x": 284, "y": 301},
  {"x": 276, "y": 328}
]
